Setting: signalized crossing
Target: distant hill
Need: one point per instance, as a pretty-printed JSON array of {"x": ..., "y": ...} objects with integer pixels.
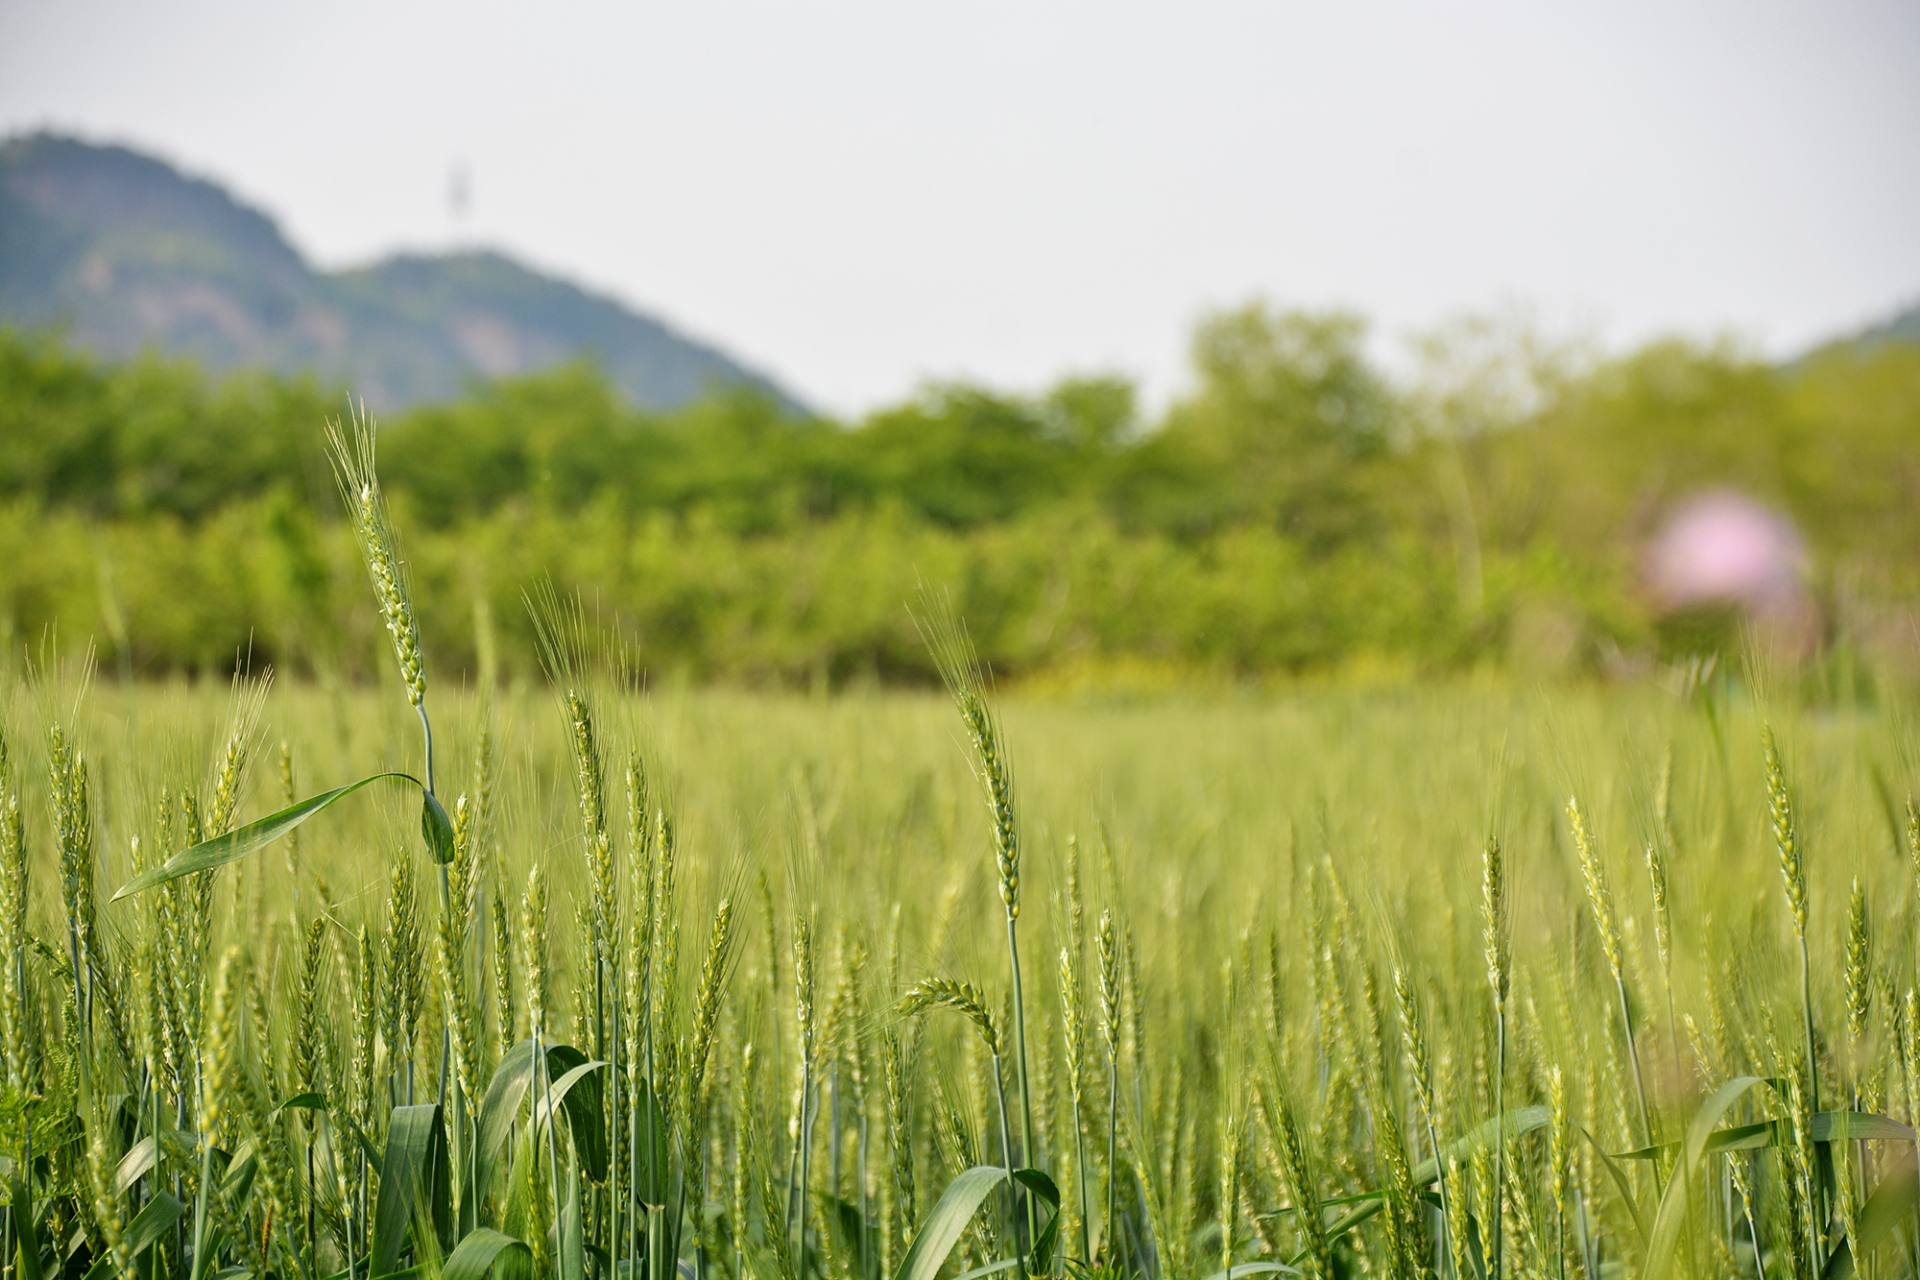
[
  {"x": 1901, "y": 327},
  {"x": 1904, "y": 327},
  {"x": 129, "y": 254}
]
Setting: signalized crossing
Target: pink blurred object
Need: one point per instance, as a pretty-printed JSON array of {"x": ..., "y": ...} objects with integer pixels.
[{"x": 1723, "y": 548}]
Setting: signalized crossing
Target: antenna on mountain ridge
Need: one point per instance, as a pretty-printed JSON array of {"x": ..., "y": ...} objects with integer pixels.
[{"x": 459, "y": 197}]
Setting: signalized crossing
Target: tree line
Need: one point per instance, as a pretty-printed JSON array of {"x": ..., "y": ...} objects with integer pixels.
[{"x": 1296, "y": 510}]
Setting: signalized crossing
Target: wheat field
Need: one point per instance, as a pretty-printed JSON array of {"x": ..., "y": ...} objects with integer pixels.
[{"x": 594, "y": 979}]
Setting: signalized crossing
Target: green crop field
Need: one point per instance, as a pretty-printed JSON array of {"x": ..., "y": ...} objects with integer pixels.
[{"x": 1475, "y": 980}]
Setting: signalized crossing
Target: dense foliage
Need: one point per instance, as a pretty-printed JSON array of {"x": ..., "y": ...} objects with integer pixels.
[{"x": 1297, "y": 510}]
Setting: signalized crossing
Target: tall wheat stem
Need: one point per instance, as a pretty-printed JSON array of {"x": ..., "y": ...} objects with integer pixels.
[
  {"x": 960, "y": 668},
  {"x": 1107, "y": 948},
  {"x": 1026, "y": 1090}
]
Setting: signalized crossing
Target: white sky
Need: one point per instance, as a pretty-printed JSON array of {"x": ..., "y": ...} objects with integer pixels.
[{"x": 855, "y": 196}]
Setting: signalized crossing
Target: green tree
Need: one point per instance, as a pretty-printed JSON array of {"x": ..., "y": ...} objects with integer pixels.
[{"x": 1289, "y": 410}]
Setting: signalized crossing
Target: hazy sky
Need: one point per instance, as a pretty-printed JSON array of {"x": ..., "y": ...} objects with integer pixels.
[{"x": 856, "y": 196}]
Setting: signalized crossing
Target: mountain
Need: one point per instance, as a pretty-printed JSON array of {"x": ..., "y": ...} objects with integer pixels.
[
  {"x": 1901, "y": 328},
  {"x": 128, "y": 254},
  {"x": 1904, "y": 327}
]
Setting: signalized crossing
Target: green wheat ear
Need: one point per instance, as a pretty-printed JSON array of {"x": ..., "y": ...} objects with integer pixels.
[
  {"x": 14, "y": 868},
  {"x": 1593, "y": 876},
  {"x": 1786, "y": 833},
  {"x": 1859, "y": 963},
  {"x": 1496, "y": 928},
  {"x": 959, "y": 667},
  {"x": 963, "y": 998},
  {"x": 351, "y": 447}
]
